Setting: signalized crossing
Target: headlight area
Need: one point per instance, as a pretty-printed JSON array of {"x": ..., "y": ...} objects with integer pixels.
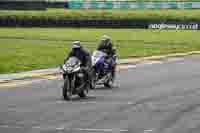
[
  {"x": 81, "y": 75},
  {"x": 69, "y": 69},
  {"x": 76, "y": 68}
]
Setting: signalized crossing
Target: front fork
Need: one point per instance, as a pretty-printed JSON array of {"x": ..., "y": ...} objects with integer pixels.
[
  {"x": 73, "y": 78},
  {"x": 71, "y": 81}
]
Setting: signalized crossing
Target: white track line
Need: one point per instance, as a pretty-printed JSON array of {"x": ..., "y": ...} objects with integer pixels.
[
  {"x": 82, "y": 129},
  {"x": 91, "y": 102},
  {"x": 149, "y": 130},
  {"x": 63, "y": 128},
  {"x": 132, "y": 66},
  {"x": 7, "y": 126},
  {"x": 113, "y": 130},
  {"x": 97, "y": 130}
]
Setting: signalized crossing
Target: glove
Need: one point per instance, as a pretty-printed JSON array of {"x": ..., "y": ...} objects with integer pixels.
[{"x": 84, "y": 69}]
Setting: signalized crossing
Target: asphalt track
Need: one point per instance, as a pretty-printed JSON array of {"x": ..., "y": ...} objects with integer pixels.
[{"x": 151, "y": 98}]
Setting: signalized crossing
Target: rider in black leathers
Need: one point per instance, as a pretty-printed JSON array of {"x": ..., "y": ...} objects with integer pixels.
[{"x": 85, "y": 58}]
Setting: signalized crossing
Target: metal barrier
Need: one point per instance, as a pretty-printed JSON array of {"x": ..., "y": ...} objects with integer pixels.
[
  {"x": 131, "y": 5},
  {"x": 23, "y": 5}
]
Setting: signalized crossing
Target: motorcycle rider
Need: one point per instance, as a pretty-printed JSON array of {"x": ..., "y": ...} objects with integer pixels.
[
  {"x": 106, "y": 46},
  {"x": 84, "y": 57}
]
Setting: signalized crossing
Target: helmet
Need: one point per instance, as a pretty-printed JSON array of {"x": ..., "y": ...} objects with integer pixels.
[
  {"x": 76, "y": 45},
  {"x": 105, "y": 38}
]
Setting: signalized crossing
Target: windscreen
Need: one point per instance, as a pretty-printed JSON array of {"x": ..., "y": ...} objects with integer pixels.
[{"x": 72, "y": 61}]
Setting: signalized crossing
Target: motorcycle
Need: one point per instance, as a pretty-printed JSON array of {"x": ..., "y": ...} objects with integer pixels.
[
  {"x": 103, "y": 69},
  {"x": 74, "y": 79}
]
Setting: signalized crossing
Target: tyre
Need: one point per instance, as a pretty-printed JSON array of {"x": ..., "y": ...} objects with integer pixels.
[
  {"x": 82, "y": 94},
  {"x": 93, "y": 79},
  {"x": 67, "y": 92}
]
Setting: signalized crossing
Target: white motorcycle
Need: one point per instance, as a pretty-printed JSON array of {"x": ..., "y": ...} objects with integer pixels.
[{"x": 74, "y": 80}]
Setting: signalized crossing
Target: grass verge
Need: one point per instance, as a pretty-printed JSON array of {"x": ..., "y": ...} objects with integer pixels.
[{"x": 24, "y": 49}]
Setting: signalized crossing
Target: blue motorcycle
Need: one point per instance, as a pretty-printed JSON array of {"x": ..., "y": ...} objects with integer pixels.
[{"x": 103, "y": 69}]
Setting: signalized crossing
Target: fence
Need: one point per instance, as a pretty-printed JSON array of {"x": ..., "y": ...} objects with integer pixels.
[
  {"x": 132, "y": 5},
  {"x": 23, "y": 5},
  {"x": 95, "y": 4}
]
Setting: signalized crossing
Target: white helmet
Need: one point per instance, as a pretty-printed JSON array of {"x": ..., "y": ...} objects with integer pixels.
[
  {"x": 76, "y": 44},
  {"x": 105, "y": 37}
]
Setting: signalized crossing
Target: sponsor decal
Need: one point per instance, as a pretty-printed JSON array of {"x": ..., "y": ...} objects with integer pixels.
[{"x": 174, "y": 26}]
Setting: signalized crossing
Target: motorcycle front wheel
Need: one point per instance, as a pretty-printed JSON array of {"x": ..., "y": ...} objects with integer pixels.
[
  {"x": 67, "y": 91},
  {"x": 93, "y": 79},
  {"x": 82, "y": 94}
]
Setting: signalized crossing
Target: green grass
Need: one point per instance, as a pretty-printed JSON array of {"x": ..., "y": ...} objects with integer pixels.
[
  {"x": 61, "y": 14},
  {"x": 47, "y": 47}
]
